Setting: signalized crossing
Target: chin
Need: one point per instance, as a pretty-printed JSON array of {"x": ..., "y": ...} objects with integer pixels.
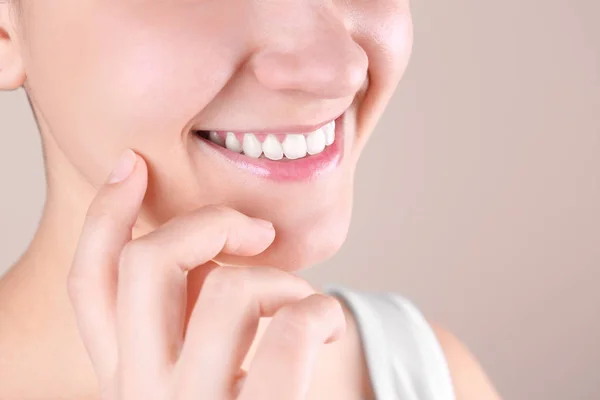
[{"x": 309, "y": 243}]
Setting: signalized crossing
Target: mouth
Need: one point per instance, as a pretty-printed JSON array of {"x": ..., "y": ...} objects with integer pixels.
[{"x": 286, "y": 154}]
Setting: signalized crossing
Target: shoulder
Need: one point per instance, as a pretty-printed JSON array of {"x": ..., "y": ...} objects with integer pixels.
[
  {"x": 424, "y": 357},
  {"x": 469, "y": 380}
]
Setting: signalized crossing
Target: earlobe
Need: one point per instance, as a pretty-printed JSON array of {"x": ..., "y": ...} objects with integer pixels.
[{"x": 12, "y": 71}]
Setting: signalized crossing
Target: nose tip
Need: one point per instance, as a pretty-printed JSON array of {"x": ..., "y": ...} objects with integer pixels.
[{"x": 331, "y": 67}]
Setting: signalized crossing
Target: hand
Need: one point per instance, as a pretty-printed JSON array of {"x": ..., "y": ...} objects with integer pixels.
[{"x": 160, "y": 320}]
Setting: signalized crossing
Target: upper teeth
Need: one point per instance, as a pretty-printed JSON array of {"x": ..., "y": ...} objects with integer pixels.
[
  {"x": 216, "y": 138},
  {"x": 272, "y": 148},
  {"x": 252, "y": 146},
  {"x": 232, "y": 143},
  {"x": 292, "y": 146}
]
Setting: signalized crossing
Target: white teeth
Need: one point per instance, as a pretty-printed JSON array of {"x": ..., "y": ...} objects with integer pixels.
[
  {"x": 232, "y": 143},
  {"x": 272, "y": 148},
  {"x": 252, "y": 147},
  {"x": 315, "y": 142},
  {"x": 294, "y": 146},
  {"x": 329, "y": 131},
  {"x": 216, "y": 138}
]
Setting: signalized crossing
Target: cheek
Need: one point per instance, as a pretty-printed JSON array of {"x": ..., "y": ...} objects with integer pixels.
[
  {"x": 121, "y": 75},
  {"x": 155, "y": 78},
  {"x": 384, "y": 28}
]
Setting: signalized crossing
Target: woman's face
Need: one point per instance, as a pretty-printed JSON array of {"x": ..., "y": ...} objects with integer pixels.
[{"x": 104, "y": 75}]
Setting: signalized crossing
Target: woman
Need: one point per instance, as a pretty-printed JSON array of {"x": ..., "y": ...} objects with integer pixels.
[{"x": 239, "y": 124}]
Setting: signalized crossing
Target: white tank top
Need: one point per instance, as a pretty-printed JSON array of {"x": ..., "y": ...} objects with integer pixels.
[{"x": 403, "y": 355}]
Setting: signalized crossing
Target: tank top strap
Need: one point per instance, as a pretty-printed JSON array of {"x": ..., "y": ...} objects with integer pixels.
[{"x": 403, "y": 355}]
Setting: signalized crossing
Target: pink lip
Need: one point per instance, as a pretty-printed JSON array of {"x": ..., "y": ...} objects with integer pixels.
[
  {"x": 302, "y": 129},
  {"x": 305, "y": 168}
]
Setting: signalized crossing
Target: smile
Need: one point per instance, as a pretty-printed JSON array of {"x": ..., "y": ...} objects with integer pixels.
[
  {"x": 275, "y": 146},
  {"x": 290, "y": 156}
]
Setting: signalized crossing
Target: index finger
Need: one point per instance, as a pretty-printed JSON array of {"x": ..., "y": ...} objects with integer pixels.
[{"x": 92, "y": 279}]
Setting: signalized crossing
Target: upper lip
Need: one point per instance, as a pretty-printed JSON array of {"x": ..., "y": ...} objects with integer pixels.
[{"x": 279, "y": 129}]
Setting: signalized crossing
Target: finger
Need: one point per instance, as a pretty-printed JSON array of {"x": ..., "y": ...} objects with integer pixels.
[
  {"x": 284, "y": 361},
  {"x": 195, "y": 280},
  {"x": 224, "y": 323},
  {"x": 93, "y": 275},
  {"x": 152, "y": 282}
]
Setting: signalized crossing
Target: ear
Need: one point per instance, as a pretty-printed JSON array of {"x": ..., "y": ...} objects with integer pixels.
[{"x": 12, "y": 71}]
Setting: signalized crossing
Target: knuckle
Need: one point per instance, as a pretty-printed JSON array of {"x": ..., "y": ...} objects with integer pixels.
[
  {"x": 297, "y": 325},
  {"x": 306, "y": 323},
  {"x": 232, "y": 240},
  {"x": 100, "y": 211},
  {"x": 133, "y": 254},
  {"x": 330, "y": 306}
]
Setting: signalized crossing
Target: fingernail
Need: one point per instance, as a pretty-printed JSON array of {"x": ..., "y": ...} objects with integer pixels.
[
  {"x": 124, "y": 167},
  {"x": 263, "y": 224}
]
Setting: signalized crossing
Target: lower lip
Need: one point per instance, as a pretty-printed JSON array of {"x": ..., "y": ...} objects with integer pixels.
[{"x": 306, "y": 168}]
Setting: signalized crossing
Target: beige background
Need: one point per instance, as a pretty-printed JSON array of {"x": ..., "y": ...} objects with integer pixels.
[{"x": 478, "y": 197}]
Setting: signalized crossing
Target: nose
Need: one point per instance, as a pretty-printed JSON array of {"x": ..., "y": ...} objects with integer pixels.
[{"x": 310, "y": 51}]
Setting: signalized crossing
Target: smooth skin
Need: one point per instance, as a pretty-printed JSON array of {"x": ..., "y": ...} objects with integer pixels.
[
  {"x": 152, "y": 285},
  {"x": 135, "y": 337}
]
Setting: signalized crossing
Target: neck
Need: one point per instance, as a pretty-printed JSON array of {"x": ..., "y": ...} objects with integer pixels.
[
  {"x": 44, "y": 266},
  {"x": 33, "y": 296}
]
